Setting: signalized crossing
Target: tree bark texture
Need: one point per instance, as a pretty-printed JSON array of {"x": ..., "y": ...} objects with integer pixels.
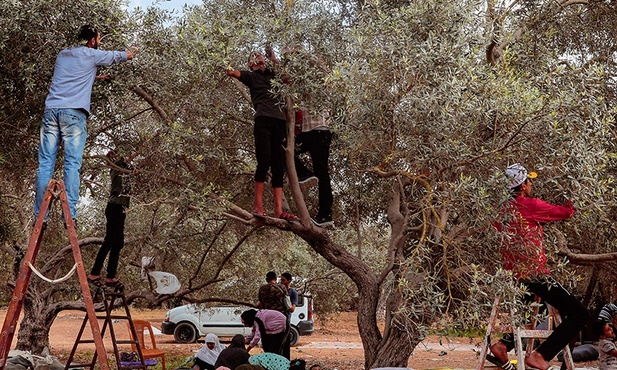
[
  {"x": 34, "y": 329},
  {"x": 396, "y": 346}
]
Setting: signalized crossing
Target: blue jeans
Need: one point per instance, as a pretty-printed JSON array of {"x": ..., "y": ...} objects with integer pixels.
[{"x": 69, "y": 127}]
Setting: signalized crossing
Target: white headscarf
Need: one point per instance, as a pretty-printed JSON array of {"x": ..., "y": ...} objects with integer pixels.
[{"x": 210, "y": 355}]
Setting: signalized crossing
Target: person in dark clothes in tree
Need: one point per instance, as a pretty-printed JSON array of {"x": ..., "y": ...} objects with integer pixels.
[{"x": 115, "y": 214}]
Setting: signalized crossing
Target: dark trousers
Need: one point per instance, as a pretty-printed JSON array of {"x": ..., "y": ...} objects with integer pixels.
[
  {"x": 113, "y": 242},
  {"x": 317, "y": 144},
  {"x": 273, "y": 343},
  {"x": 286, "y": 345},
  {"x": 286, "y": 349},
  {"x": 574, "y": 316},
  {"x": 203, "y": 365},
  {"x": 270, "y": 140}
]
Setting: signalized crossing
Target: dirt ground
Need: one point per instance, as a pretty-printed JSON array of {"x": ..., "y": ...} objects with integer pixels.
[{"x": 334, "y": 345}]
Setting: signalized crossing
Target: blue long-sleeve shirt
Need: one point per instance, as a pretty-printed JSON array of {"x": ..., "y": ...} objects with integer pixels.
[{"x": 74, "y": 74}]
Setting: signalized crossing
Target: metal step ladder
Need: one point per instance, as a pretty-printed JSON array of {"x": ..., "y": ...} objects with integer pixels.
[
  {"x": 55, "y": 190},
  {"x": 531, "y": 334},
  {"x": 109, "y": 297}
]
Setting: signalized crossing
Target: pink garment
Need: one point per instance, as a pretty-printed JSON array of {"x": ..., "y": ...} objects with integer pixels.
[
  {"x": 523, "y": 236},
  {"x": 274, "y": 322},
  {"x": 305, "y": 121},
  {"x": 315, "y": 121}
]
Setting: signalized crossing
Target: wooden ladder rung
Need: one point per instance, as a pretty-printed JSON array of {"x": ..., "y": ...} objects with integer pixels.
[
  {"x": 534, "y": 334},
  {"x": 85, "y": 341},
  {"x": 127, "y": 341}
]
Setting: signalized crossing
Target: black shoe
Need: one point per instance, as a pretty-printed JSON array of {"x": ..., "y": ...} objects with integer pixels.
[
  {"x": 307, "y": 178},
  {"x": 322, "y": 221},
  {"x": 116, "y": 284},
  {"x": 96, "y": 282}
]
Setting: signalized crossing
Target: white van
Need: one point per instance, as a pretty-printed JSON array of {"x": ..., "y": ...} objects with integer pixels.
[{"x": 190, "y": 322}]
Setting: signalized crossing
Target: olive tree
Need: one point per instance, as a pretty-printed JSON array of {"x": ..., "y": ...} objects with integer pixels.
[
  {"x": 140, "y": 107},
  {"x": 425, "y": 128},
  {"x": 429, "y": 101}
]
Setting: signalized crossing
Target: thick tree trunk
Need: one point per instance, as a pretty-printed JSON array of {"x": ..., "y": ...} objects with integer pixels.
[
  {"x": 396, "y": 348},
  {"x": 369, "y": 290},
  {"x": 34, "y": 329},
  {"x": 367, "y": 322}
]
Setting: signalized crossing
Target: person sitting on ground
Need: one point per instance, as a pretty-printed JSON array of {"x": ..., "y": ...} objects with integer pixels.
[
  {"x": 315, "y": 367},
  {"x": 246, "y": 367},
  {"x": 270, "y": 361},
  {"x": 208, "y": 354},
  {"x": 234, "y": 355},
  {"x": 606, "y": 346},
  {"x": 267, "y": 325}
]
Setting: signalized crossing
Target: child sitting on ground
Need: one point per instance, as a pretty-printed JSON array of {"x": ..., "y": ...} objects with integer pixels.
[{"x": 606, "y": 346}]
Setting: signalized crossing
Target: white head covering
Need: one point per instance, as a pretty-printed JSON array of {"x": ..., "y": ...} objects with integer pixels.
[
  {"x": 516, "y": 174},
  {"x": 210, "y": 355}
]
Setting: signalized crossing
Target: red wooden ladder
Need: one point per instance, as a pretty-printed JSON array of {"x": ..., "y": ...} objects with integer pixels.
[
  {"x": 55, "y": 190},
  {"x": 108, "y": 298}
]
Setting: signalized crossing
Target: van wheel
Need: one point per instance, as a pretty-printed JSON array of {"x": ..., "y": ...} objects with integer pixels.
[
  {"x": 185, "y": 333},
  {"x": 294, "y": 336}
]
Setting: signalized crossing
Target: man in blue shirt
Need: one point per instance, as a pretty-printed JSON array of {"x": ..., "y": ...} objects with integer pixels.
[
  {"x": 66, "y": 108},
  {"x": 293, "y": 294}
]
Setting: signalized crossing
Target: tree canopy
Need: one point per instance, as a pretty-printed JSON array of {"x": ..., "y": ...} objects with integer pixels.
[{"x": 430, "y": 102}]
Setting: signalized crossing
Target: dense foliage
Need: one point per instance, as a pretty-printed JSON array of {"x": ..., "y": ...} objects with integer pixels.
[{"x": 430, "y": 101}]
